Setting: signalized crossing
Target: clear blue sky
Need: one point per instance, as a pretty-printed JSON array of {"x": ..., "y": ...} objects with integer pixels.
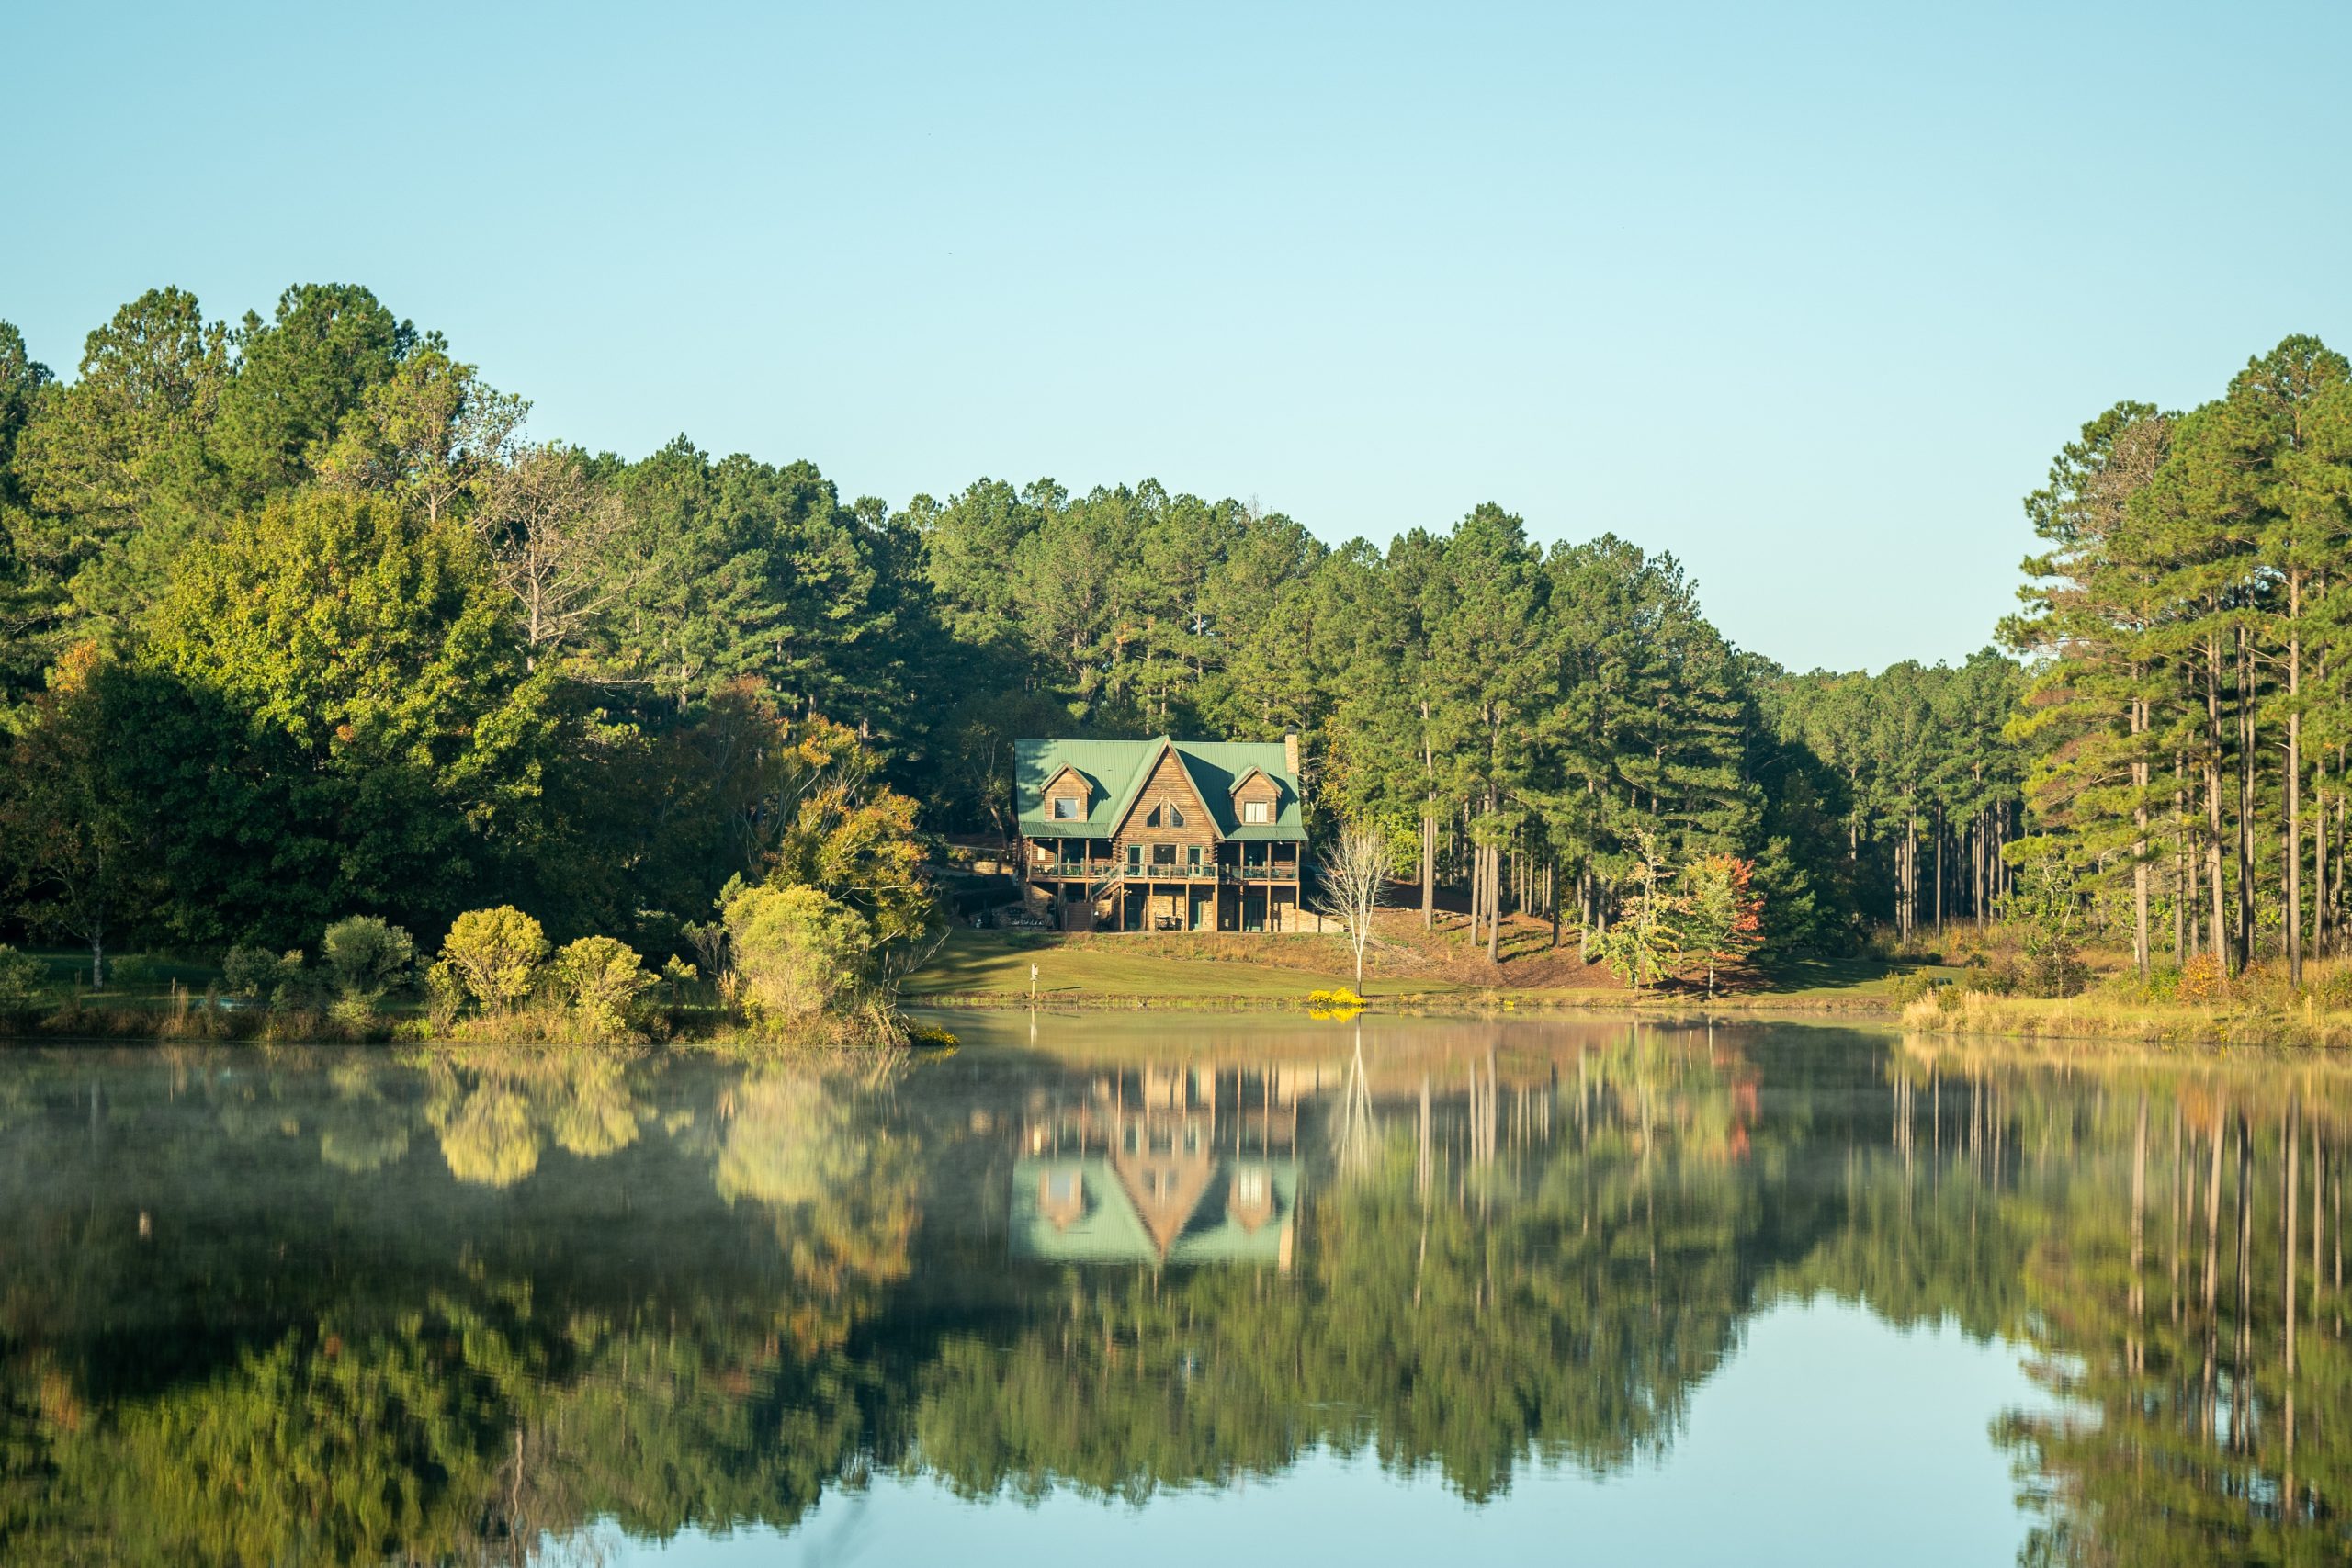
[{"x": 1806, "y": 296}]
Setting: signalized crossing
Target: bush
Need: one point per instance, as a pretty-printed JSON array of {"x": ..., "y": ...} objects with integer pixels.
[
  {"x": 20, "y": 978},
  {"x": 368, "y": 957},
  {"x": 2202, "y": 980},
  {"x": 252, "y": 973},
  {"x": 601, "y": 979},
  {"x": 2054, "y": 969},
  {"x": 276, "y": 979},
  {"x": 1904, "y": 989},
  {"x": 444, "y": 998},
  {"x": 495, "y": 955},
  {"x": 796, "y": 953}
]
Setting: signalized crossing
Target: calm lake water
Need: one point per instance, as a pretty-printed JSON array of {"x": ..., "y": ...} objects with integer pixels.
[{"x": 1174, "y": 1289}]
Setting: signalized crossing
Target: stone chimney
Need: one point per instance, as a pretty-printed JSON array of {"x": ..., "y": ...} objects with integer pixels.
[{"x": 1290, "y": 755}]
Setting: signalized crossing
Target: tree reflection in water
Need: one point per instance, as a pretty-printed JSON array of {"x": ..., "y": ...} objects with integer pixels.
[{"x": 346, "y": 1308}]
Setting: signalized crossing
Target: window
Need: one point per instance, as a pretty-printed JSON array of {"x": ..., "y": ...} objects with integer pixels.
[
  {"x": 1251, "y": 1186},
  {"x": 1134, "y": 857},
  {"x": 1175, "y": 815},
  {"x": 1163, "y": 854},
  {"x": 1192, "y": 858},
  {"x": 1258, "y": 811},
  {"x": 1065, "y": 808}
]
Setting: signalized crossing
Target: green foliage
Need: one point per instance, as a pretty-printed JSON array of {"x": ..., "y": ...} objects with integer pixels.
[
  {"x": 22, "y": 978},
  {"x": 601, "y": 979},
  {"x": 2045, "y": 908},
  {"x": 445, "y": 995},
  {"x": 345, "y": 673},
  {"x": 495, "y": 955},
  {"x": 1643, "y": 945},
  {"x": 257, "y": 974},
  {"x": 368, "y": 956},
  {"x": 796, "y": 953},
  {"x": 1717, "y": 920}
]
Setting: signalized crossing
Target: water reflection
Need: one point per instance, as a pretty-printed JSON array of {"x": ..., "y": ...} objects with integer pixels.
[{"x": 342, "y": 1307}]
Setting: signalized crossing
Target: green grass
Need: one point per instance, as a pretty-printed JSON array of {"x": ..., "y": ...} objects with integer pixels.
[
  {"x": 132, "y": 977},
  {"x": 997, "y": 964},
  {"x": 1818, "y": 981}
]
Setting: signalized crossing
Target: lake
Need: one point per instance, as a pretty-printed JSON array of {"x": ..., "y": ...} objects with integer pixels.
[{"x": 1163, "y": 1288}]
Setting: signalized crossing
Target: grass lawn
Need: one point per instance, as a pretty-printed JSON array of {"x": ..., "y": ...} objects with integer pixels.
[
  {"x": 973, "y": 963},
  {"x": 131, "y": 977},
  {"x": 1818, "y": 981}
]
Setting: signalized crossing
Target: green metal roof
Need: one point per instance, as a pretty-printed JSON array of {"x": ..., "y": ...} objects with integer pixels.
[
  {"x": 1116, "y": 771},
  {"x": 1108, "y": 1230}
]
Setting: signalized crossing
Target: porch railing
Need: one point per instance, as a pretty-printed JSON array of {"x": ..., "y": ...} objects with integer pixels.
[{"x": 1144, "y": 871}]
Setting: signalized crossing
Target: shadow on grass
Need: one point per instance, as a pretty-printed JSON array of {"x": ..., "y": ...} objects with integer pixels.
[{"x": 1835, "y": 975}]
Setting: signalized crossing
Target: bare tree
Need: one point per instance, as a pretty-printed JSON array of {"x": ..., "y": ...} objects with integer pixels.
[
  {"x": 550, "y": 529},
  {"x": 1352, "y": 882}
]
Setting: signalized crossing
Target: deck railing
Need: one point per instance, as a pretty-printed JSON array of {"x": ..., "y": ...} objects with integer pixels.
[{"x": 1095, "y": 870}]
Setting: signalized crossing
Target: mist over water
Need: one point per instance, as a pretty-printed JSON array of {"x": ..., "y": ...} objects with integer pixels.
[{"x": 1164, "y": 1288}]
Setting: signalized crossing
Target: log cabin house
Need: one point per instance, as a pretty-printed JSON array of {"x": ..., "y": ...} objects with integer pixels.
[
  {"x": 1161, "y": 834},
  {"x": 1164, "y": 1165}
]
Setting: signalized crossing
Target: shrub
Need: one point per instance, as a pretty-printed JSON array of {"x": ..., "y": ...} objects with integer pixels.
[
  {"x": 796, "y": 953},
  {"x": 1992, "y": 981},
  {"x": 2054, "y": 969},
  {"x": 2202, "y": 980},
  {"x": 444, "y": 998},
  {"x": 368, "y": 957},
  {"x": 601, "y": 979},
  {"x": 20, "y": 978},
  {"x": 279, "y": 980},
  {"x": 252, "y": 973},
  {"x": 1904, "y": 989},
  {"x": 495, "y": 955}
]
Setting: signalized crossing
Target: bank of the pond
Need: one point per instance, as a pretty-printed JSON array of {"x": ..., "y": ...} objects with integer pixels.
[
  {"x": 2092, "y": 1020},
  {"x": 1253, "y": 973},
  {"x": 681, "y": 1030}
]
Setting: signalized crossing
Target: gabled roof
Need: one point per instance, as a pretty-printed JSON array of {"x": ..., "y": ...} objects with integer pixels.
[
  {"x": 1255, "y": 773},
  {"x": 1116, "y": 772},
  {"x": 1110, "y": 1230},
  {"x": 1056, "y": 777}
]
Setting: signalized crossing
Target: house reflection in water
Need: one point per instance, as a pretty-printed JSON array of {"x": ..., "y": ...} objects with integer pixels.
[{"x": 1161, "y": 1166}]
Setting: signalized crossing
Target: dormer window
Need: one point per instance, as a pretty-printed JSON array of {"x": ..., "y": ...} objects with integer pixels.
[
  {"x": 1066, "y": 809},
  {"x": 1257, "y": 812}
]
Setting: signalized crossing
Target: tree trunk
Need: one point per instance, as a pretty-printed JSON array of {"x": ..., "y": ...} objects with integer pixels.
[
  {"x": 2319, "y": 854},
  {"x": 1428, "y": 864},
  {"x": 2245, "y": 800},
  {"x": 2140, "y": 842},
  {"x": 2294, "y": 790},
  {"x": 1939, "y": 873},
  {"x": 2221, "y": 939},
  {"x": 2184, "y": 891},
  {"x": 1494, "y": 898}
]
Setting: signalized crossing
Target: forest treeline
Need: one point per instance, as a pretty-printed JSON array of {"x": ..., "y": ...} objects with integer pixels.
[
  {"x": 2190, "y": 710},
  {"x": 297, "y": 619}
]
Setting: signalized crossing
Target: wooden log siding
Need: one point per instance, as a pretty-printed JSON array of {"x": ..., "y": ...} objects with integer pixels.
[
  {"x": 1257, "y": 788},
  {"x": 1169, "y": 784},
  {"x": 1068, "y": 784}
]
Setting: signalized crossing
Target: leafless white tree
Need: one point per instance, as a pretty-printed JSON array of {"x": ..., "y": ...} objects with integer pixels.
[
  {"x": 1352, "y": 883},
  {"x": 551, "y": 530}
]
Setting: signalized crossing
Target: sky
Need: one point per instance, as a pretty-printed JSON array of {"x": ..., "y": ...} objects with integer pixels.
[{"x": 1805, "y": 295}]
